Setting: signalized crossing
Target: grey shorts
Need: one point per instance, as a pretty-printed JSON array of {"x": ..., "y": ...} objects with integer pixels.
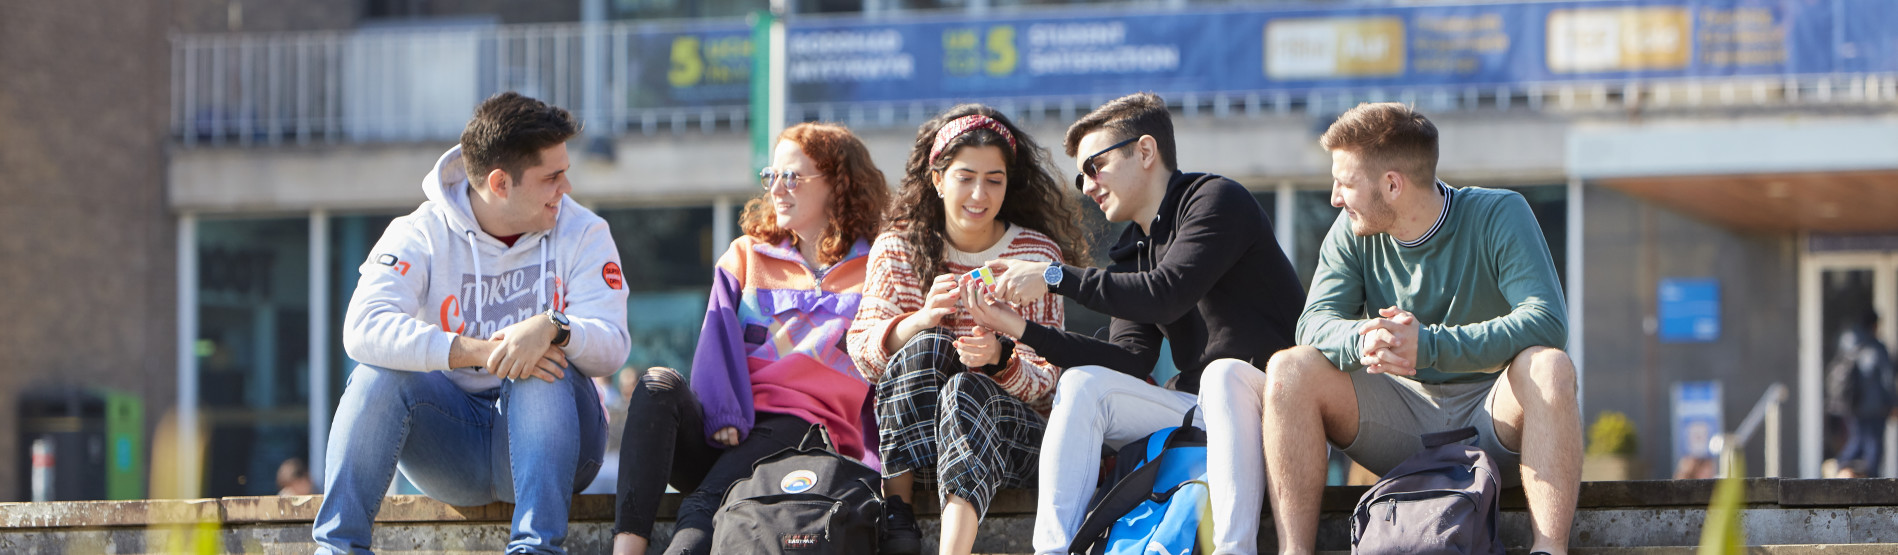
[{"x": 1394, "y": 413}]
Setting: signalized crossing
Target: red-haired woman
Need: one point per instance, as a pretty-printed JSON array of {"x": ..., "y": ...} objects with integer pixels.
[{"x": 769, "y": 363}]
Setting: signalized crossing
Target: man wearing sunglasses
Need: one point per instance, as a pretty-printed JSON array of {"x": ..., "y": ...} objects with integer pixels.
[{"x": 1200, "y": 270}]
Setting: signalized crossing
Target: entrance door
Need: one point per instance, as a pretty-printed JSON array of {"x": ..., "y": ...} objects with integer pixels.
[{"x": 1836, "y": 288}]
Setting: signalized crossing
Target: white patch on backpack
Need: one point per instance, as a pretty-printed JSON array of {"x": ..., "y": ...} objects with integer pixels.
[{"x": 798, "y": 482}]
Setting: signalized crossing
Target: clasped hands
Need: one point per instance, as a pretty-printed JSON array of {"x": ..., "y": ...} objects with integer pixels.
[
  {"x": 526, "y": 350},
  {"x": 1388, "y": 344}
]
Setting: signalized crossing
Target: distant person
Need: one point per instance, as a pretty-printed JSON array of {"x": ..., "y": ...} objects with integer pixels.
[
  {"x": 478, "y": 320},
  {"x": 1433, "y": 308},
  {"x": 770, "y": 363},
  {"x": 1865, "y": 397},
  {"x": 293, "y": 478}
]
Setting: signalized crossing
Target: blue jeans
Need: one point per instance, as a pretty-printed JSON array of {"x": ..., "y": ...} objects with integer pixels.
[
  {"x": 528, "y": 442},
  {"x": 1866, "y": 448}
]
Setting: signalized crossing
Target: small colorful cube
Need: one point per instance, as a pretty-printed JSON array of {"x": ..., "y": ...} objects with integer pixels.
[{"x": 983, "y": 275}]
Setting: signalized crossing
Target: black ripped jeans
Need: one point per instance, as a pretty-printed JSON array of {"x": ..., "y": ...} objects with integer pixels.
[{"x": 666, "y": 442}]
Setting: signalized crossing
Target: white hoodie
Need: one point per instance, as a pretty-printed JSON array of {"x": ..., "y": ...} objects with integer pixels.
[{"x": 419, "y": 287}]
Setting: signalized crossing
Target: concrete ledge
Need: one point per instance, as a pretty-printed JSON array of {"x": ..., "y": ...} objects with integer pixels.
[{"x": 1787, "y": 516}]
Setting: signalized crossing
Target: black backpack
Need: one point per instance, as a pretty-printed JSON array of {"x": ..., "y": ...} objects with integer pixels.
[
  {"x": 1443, "y": 499},
  {"x": 803, "y": 500},
  {"x": 1842, "y": 384}
]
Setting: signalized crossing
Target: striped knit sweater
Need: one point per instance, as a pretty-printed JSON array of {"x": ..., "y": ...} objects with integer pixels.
[{"x": 893, "y": 291}]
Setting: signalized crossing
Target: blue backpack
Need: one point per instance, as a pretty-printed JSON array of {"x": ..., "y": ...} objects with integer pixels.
[{"x": 1157, "y": 501}]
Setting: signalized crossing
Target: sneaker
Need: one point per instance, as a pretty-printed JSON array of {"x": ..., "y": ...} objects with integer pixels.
[{"x": 899, "y": 534}]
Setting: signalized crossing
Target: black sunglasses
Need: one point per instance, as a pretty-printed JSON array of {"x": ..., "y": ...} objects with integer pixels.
[{"x": 1089, "y": 170}]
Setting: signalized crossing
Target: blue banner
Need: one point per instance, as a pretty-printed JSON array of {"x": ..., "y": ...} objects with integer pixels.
[
  {"x": 699, "y": 66},
  {"x": 1088, "y": 54}
]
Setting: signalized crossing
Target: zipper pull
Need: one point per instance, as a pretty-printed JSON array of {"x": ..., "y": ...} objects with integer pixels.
[
  {"x": 1392, "y": 515},
  {"x": 831, "y": 518}
]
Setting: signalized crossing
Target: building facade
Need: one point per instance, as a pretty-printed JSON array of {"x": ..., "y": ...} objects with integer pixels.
[{"x": 282, "y": 153}]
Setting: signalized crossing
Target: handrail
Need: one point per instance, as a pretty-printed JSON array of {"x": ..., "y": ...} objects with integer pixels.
[{"x": 1765, "y": 413}]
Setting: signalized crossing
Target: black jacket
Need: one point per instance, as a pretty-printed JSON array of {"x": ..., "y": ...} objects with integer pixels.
[{"x": 1211, "y": 279}]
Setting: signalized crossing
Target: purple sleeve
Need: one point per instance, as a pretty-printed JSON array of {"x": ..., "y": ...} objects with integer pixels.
[{"x": 720, "y": 376}]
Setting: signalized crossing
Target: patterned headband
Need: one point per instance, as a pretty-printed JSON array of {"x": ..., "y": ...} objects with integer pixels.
[{"x": 965, "y": 124}]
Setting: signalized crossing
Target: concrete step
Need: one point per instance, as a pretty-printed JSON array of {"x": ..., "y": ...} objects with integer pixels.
[
  {"x": 1810, "y": 549},
  {"x": 1781, "y": 517}
]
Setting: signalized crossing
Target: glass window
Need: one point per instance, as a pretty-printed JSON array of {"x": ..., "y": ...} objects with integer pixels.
[
  {"x": 1269, "y": 202},
  {"x": 253, "y": 349},
  {"x": 668, "y": 256},
  {"x": 1312, "y": 216}
]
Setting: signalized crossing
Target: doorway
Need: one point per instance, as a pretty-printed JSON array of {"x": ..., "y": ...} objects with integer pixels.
[{"x": 1836, "y": 288}]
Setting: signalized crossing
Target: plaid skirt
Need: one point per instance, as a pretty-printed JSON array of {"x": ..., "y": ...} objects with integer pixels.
[{"x": 954, "y": 427}]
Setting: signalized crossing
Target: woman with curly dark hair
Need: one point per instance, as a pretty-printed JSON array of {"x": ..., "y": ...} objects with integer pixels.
[
  {"x": 957, "y": 404},
  {"x": 769, "y": 363}
]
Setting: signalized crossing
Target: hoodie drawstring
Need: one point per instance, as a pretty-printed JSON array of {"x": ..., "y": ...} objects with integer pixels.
[
  {"x": 475, "y": 254},
  {"x": 540, "y": 288}
]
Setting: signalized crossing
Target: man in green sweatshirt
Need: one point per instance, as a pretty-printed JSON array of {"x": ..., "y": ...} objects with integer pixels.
[{"x": 1432, "y": 309}]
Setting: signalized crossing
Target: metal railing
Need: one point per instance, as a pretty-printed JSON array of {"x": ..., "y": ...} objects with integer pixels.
[
  {"x": 422, "y": 84},
  {"x": 1765, "y": 414},
  {"x": 402, "y": 85}
]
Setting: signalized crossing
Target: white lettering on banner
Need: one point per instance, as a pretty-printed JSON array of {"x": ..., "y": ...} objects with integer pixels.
[
  {"x": 876, "y": 55},
  {"x": 834, "y": 43},
  {"x": 1081, "y": 48},
  {"x": 1046, "y": 35},
  {"x": 881, "y": 68},
  {"x": 1123, "y": 59}
]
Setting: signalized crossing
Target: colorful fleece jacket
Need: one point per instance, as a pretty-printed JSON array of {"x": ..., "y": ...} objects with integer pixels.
[{"x": 773, "y": 342}]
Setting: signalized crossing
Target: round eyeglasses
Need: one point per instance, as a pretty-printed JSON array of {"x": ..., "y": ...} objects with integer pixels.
[{"x": 790, "y": 179}]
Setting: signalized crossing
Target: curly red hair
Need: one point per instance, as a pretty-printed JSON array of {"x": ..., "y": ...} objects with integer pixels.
[{"x": 858, "y": 191}]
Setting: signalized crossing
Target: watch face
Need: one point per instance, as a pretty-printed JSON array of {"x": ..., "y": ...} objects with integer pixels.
[
  {"x": 559, "y": 318},
  {"x": 1052, "y": 275}
]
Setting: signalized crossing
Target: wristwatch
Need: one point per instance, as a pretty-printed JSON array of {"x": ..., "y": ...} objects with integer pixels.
[
  {"x": 563, "y": 328},
  {"x": 1052, "y": 275}
]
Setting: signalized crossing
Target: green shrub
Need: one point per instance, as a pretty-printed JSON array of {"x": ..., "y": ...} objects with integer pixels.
[{"x": 1611, "y": 434}]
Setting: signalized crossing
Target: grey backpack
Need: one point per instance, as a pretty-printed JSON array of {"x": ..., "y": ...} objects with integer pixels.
[{"x": 1443, "y": 499}]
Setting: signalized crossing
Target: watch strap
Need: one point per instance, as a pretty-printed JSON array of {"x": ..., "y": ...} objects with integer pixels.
[{"x": 563, "y": 331}]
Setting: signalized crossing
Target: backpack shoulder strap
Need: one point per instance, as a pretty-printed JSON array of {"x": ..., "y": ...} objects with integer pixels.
[{"x": 1129, "y": 493}]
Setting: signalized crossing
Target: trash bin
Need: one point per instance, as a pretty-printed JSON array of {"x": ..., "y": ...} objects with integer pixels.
[
  {"x": 125, "y": 446},
  {"x": 63, "y": 443}
]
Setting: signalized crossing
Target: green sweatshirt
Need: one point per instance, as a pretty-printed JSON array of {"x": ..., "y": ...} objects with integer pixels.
[{"x": 1480, "y": 281}]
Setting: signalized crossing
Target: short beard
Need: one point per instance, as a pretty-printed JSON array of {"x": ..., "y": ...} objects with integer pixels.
[{"x": 1374, "y": 218}]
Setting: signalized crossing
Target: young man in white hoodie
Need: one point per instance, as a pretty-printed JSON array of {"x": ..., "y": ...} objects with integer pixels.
[{"x": 477, "y": 321}]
